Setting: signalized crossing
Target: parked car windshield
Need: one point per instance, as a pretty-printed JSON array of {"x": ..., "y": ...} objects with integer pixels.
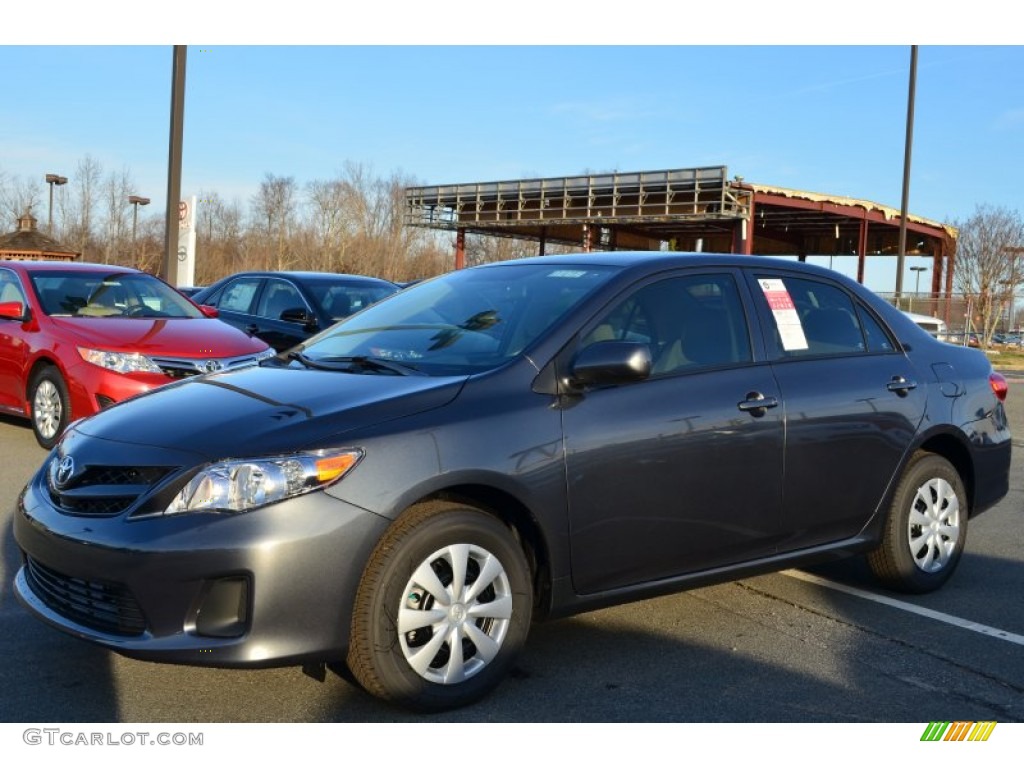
[
  {"x": 108, "y": 294},
  {"x": 464, "y": 322}
]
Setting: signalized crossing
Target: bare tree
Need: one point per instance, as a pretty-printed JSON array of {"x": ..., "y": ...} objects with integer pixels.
[
  {"x": 986, "y": 269},
  {"x": 274, "y": 212},
  {"x": 327, "y": 201},
  {"x": 17, "y": 195},
  {"x": 87, "y": 180},
  {"x": 116, "y": 189},
  {"x": 219, "y": 237}
]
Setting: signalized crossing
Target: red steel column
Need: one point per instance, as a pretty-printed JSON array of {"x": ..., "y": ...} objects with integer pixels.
[
  {"x": 747, "y": 231},
  {"x": 937, "y": 265},
  {"x": 460, "y": 248},
  {"x": 950, "y": 260},
  {"x": 862, "y": 249}
]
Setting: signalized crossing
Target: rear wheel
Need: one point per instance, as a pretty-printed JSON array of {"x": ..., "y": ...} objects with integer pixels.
[
  {"x": 49, "y": 406},
  {"x": 442, "y": 609},
  {"x": 926, "y": 528}
]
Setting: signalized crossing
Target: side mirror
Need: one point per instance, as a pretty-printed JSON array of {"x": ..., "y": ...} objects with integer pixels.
[
  {"x": 13, "y": 310},
  {"x": 298, "y": 315},
  {"x": 611, "y": 362},
  {"x": 209, "y": 311}
]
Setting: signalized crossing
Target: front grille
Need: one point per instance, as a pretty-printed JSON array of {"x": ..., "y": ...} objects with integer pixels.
[
  {"x": 99, "y": 605},
  {"x": 183, "y": 367},
  {"x": 120, "y": 476},
  {"x": 101, "y": 491}
]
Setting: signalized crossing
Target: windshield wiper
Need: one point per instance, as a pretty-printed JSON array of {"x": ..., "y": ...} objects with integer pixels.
[
  {"x": 375, "y": 364},
  {"x": 308, "y": 362},
  {"x": 341, "y": 363}
]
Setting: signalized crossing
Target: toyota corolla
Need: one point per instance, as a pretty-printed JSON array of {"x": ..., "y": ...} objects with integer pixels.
[{"x": 404, "y": 493}]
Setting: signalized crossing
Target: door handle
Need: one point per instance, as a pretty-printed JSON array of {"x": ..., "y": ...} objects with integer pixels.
[
  {"x": 900, "y": 385},
  {"x": 757, "y": 404}
]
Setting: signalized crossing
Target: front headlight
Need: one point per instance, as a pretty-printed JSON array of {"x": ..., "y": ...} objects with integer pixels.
[
  {"x": 241, "y": 485},
  {"x": 122, "y": 362}
]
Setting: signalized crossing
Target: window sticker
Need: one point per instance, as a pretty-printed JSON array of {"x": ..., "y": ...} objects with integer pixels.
[{"x": 791, "y": 332}]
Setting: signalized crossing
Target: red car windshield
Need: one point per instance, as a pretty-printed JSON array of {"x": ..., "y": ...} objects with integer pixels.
[{"x": 108, "y": 294}]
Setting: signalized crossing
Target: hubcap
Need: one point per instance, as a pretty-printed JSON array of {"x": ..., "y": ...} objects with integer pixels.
[
  {"x": 47, "y": 409},
  {"x": 934, "y": 525},
  {"x": 455, "y": 613}
]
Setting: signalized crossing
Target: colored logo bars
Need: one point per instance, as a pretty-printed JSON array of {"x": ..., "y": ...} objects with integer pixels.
[{"x": 958, "y": 731}]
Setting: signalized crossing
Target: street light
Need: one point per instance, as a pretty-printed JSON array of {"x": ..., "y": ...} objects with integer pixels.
[
  {"x": 136, "y": 201},
  {"x": 917, "y": 284},
  {"x": 51, "y": 179}
]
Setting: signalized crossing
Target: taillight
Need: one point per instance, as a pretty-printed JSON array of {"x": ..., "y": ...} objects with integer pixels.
[{"x": 999, "y": 386}]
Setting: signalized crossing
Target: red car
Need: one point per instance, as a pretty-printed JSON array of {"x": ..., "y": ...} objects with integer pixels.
[{"x": 76, "y": 338}]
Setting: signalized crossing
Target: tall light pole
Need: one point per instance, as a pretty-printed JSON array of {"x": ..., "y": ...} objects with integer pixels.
[
  {"x": 136, "y": 201},
  {"x": 173, "y": 266},
  {"x": 902, "y": 253},
  {"x": 51, "y": 179}
]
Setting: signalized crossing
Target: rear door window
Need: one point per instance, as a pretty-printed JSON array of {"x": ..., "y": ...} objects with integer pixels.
[
  {"x": 238, "y": 295},
  {"x": 812, "y": 318}
]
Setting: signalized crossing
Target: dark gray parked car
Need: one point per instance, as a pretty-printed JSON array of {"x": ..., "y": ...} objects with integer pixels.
[{"x": 404, "y": 493}]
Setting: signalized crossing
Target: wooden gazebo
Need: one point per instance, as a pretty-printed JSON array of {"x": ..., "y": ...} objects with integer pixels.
[{"x": 28, "y": 243}]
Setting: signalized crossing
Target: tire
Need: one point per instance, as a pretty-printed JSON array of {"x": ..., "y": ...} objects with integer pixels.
[
  {"x": 49, "y": 406},
  {"x": 926, "y": 528},
  {"x": 407, "y": 608}
]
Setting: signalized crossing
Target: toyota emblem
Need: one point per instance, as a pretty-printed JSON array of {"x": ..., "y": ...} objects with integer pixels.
[
  {"x": 212, "y": 366},
  {"x": 65, "y": 469}
]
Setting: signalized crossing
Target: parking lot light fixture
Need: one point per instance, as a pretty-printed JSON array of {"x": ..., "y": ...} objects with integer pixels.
[
  {"x": 52, "y": 179},
  {"x": 136, "y": 201},
  {"x": 917, "y": 283}
]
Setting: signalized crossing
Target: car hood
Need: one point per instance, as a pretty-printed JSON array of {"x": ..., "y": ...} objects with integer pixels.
[
  {"x": 162, "y": 337},
  {"x": 266, "y": 410}
]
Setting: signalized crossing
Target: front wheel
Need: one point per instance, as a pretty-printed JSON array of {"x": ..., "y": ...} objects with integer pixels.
[
  {"x": 926, "y": 529},
  {"x": 442, "y": 609},
  {"x": 49, "y": 406}
]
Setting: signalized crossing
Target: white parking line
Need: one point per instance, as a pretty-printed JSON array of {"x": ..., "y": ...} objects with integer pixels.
[{"x": 945, "y": 618}]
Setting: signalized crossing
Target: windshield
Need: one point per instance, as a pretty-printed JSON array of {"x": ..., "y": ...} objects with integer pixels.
[
  {"x": 464, "y": 322},
  {"x": 109, "y": 294}
]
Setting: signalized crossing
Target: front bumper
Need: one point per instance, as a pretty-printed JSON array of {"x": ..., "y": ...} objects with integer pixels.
[{"x": 165, "y": 588}]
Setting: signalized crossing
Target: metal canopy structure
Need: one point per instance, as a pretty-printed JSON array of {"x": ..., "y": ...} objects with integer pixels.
[{"x": 688, "y": 209}]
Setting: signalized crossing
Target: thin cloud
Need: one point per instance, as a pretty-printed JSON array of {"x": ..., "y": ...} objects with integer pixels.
[{"x": 1010, "y": 120}]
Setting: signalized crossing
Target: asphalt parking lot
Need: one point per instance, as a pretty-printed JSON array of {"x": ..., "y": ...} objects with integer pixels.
[{"x": 805, "y": 646}]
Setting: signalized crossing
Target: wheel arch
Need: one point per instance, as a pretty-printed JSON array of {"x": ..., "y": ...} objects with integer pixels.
[
  {"x": 43, "y": 361},
  {"x": 953, "y": 448},
  {"x": 519, "y": 518}
]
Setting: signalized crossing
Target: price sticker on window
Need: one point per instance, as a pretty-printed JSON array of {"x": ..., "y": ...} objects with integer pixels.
[{"x": 791, "y": 330}]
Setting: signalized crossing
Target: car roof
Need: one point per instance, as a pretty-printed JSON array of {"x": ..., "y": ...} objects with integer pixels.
[
  {"x": 307, "y": 275},
  {"x": 68, "y": 266},
  {"x": 654, "y": 260}
]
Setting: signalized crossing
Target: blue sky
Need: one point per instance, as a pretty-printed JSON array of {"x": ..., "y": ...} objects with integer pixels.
[{"x": 828, "y": 118}]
